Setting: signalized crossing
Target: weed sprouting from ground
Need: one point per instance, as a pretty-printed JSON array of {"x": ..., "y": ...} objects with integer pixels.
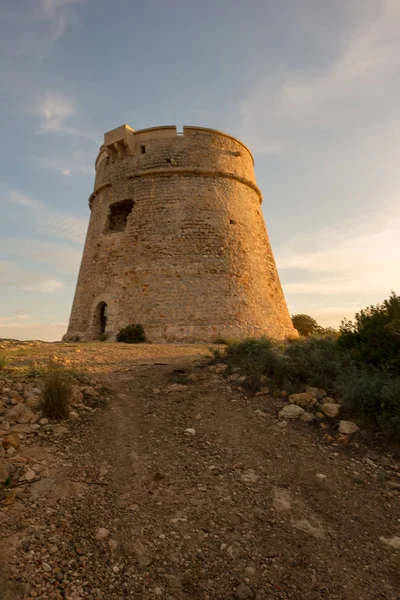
[
  {"x": 3, "y": 360},
  {"x": 57, "y": 391}
]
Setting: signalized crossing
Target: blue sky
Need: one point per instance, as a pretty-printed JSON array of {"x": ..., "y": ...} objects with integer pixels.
[{"x": 312, "y": 86}]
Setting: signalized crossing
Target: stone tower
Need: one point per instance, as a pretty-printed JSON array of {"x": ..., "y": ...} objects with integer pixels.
[{"x": 177, "y": 241}]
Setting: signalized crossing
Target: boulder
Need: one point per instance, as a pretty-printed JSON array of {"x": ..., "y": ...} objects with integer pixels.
[
  {"x": 20, "y": 413},
  {"x": 304, "y": 399},
  {"x": 331, "y": 409},
  {"x": 291, "y": 411},
  {"x": 307, "y": 417},
  {"x": 316, "y": 393},
  {"x": 348, "y": 427},
  {"x": 11, "y": 441}
]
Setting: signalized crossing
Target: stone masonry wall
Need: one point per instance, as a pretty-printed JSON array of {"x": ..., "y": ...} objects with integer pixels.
[{"x": 194, "y": 261}]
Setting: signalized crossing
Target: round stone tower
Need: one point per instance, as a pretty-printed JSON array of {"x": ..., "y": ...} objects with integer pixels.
[{"x": 177, "y": 242}]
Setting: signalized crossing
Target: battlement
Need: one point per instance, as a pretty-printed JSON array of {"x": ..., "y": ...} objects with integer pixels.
[{"x": 125, "y": 140}]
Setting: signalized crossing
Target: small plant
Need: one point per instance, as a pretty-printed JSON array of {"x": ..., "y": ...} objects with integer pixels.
[
  {"x": 104, "y": 337},
  {"x": 3, "y": 360},
  {"x": 57, "y": 391},
  {"x": 36, "y": 370},
  {"x": 131, "y": 334}
]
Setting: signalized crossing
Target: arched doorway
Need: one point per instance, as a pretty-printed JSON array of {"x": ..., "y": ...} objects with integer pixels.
[{"x": 100, "y": 318}]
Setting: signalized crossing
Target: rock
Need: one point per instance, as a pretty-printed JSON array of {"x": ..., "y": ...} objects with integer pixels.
[
  {"x": 328, "y": 400},
  {"x": 102, "y": 534},
  {"x": 235, "y": 550},
  {"x": 46, "y": 567},
  {"x": 90, "y": 391},
  {"x": 348, "y": 427},
  {"x": 11, "y": 441},
  {"x": 113, "y": 545},
  {"x": 11, "y": 497},
  {"x": 190, "y": 431},
  {"x": 73, "y": 415},
  {"x": 33, "y": 402},
  {"x": 393, "y": 542},
  {"x": 20, "y": 414},
  {"x": 304, "y": 400},
  {"x": 59, "y": 430},
  {"x": 21, "y": 428},
  {"x": 249, "y": 476},
  {"x": 3, "y": 408},
  {"x": 5, "y": 468},
  {"x": 307, "y": 417},
  {"x": 29, "y": 475},
  {"x": 261, "y": 413},
  {"x": 304, "y": 525},
  {"x": 316, "y": 393},
  {"x": 198, "y": 417},
  {"x": 291, "y": 411},
  {"x": 281, "y": 501},
  {"x": 243, "y": 591},
  {"x": 321, "y": 476},
  {"x": 331, "y": 409},
  {"x": 282, "y": 424}
]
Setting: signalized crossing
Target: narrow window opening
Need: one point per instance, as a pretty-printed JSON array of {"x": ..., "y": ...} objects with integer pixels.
[
  {"x": 169, "y": 162},
  {"x": 118, "y": 215},
  {"x": 100, "y": 319},
  {"x": 143, "y": 149},
  {"x": 232, "y": 221},
  {"x": 103, "y": 318}
]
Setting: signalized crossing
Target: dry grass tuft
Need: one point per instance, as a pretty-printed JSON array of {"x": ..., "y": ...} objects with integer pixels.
[{"x": 57, "y": 391}]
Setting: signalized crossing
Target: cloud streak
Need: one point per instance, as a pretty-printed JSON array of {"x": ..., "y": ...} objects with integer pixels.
[{"x": 51, "y": 221}]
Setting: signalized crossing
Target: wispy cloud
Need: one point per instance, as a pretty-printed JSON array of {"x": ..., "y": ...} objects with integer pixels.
[
  {"x": 12, "y": 276},
  {"x": 64, "y": 256},
  {"x": 336, "y": 271},
  {"x": 66, "y": 172},
  {"x": 30, "y": 31},
  {"x": 329, "y": 94},
  {"x": 51, "y": 221},
  {"x": 50, "y": 9},
  {"x": 54, "y": 111}
]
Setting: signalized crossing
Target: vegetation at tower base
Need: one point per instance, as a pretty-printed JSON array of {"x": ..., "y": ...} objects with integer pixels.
[
  {"x": 360, "y": 366},
  {"x": 132, "y": 334}
]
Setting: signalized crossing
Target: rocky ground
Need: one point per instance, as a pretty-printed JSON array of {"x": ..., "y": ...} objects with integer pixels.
[{"x": 170, "y": 481}]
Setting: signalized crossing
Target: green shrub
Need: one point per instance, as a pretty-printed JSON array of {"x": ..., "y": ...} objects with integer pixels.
[
  {"x": 373, "y": 396},
  {"x": 305, "y": 325},
  {"x": 3, "y": 360},
  {"x": 258, "y": 359},
  {"x": 316, "y": 361},
  {"x": 57, "y": 391},
  {"x": 104, "y": 337},
  {"x": 373, "y": 338},
  {"x": 132, "y": 334}
]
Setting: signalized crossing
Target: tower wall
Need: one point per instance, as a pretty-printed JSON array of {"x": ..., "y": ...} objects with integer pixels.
[{"x": 193, "y": 261}]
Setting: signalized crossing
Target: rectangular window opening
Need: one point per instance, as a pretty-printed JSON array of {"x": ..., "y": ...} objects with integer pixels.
[
  {"x": 118, "y": 215},
  {"x": 143, "y": 149}
]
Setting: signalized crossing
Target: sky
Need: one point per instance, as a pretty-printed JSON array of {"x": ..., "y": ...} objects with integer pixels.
[{"x": 311, "y": 86}]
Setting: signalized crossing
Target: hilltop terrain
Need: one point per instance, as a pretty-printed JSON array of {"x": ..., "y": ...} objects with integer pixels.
[{"x": 171, "y": 481}]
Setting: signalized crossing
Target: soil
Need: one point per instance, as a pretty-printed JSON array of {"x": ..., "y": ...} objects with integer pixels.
[{"x": 203, "y": 494}]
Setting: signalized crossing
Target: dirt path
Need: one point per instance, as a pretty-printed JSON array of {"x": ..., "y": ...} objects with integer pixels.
[{"x": 204, "y": 497}]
